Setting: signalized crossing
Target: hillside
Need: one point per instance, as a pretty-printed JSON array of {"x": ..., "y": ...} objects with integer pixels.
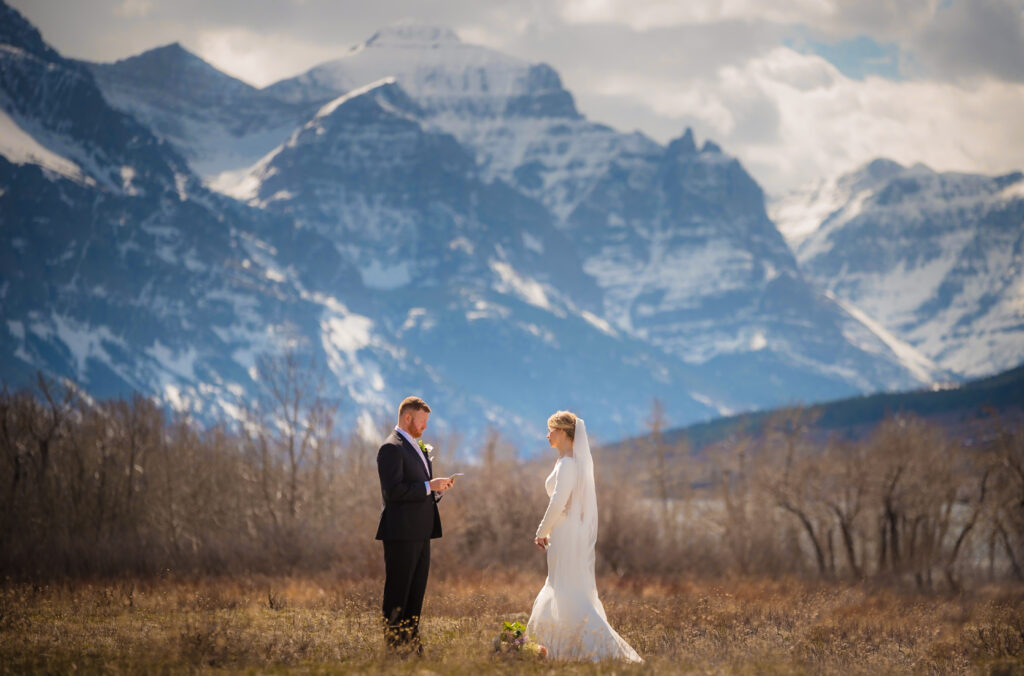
[{"x": 855, "y": 417}]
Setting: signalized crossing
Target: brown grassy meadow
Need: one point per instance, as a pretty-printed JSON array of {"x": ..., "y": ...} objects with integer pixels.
[
  {"x": 310, "y": 624},
  {"x": 133, "y": 542}
]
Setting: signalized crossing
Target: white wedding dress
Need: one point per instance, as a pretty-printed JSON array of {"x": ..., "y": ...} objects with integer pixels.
[{"x": 567, "y": 616}]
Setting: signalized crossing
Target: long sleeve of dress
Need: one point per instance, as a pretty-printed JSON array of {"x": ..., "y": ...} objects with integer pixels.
[{"x": 565, "y": 482}]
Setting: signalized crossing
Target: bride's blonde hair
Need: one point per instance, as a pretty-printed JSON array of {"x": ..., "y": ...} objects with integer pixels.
[{"x": 565, "y": 421}]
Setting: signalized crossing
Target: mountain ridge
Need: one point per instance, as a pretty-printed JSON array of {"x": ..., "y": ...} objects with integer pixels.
[
  {"x": 173, "y": 291},
  {"x": 995, "y": 397},
  {"x": 534, "y": 155},
  {"x": 937, "y": 258},
  {"x": 498, "y": 253}
]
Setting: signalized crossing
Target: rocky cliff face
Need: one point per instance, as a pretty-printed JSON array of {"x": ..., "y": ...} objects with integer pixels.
[{"x": 935, "y": 258}]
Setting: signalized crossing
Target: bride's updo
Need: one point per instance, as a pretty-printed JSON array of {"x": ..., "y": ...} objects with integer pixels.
[{"x": 565, "y": 421}]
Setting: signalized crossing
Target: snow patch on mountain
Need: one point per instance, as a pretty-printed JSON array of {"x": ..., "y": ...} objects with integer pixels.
[
  {"x": 801, "y": 212},
  {"x": 894, "y": 296},
  {"x": 1014, "y": 191},
  {"x": 331, "y": 106},
  {"x": 553, "y": 159},
  {"x": 83, "y": 342},
  {"x": 681, "y": 278},
  {"x": 20, "y": 147},
  {"x": 808, "y": 246},
  {"x": 127, "y": 181},
  {"x": 217, "y": 153},
  {"x": 712, "y": 404},
  {"x": 180, "y": 363},
  {"x": 923, "y": 368}
]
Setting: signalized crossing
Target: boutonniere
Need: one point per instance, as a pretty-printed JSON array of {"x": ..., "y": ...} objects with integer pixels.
[{"x": 427, "y": 450}]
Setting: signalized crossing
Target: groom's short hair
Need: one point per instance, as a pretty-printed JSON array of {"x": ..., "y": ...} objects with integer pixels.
[{"x": 412, "y": 404}]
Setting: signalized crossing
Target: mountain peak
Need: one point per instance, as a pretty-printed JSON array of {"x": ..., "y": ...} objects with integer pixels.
[
  {"x": 173, "y": 55},
  {"x": 174, "y": 49},
  {"x": 410, "y": 34},
  {"x": 175, "y": 70},
  {"x": 710, "y": 147},
  {"x": 882, "y": 167},
  {"x": 684, "y": 145},
  {"x": 870, "y": 175},
  {"x": 15, "y": 30}
]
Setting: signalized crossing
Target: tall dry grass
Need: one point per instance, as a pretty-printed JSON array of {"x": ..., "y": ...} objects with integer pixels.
[
  {"x": 133, "y": 542},
  {"x": 327, "y": 624}
]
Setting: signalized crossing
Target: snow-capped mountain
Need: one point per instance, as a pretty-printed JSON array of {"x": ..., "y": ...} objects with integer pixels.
[
  {"x": 217, "y": 122},
  {"x": 937, "y": 259},
  {"x": 125, "y": 274},
  {"x": 404, "y": 202},
  {"x": 468, "y": 271},
  {"x": 117, "y": 268},
  {"x": 516, "y": 117},
  {"x": 675, "y": 238},
  {"x": 688, "y": 259},
  {"x": 392, "y": 237}
]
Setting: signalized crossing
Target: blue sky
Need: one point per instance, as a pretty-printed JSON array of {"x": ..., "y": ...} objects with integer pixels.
[
  {"x": 856, "y": 57},
  {"x": 797, "y": 89}
]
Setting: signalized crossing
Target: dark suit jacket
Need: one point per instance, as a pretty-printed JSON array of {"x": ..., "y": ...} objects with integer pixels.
[{"x": 409, "y": 513}]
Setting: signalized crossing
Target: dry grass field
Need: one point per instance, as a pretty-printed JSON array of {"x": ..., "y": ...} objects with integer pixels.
[
  {"x": 283, "y": 625},
  {"x": 907, "y": 525}
]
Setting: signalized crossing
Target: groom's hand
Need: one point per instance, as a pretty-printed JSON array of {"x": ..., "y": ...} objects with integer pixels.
[
  {"x": 441, "y": 484},
  {"x": 542, "y": 542}
]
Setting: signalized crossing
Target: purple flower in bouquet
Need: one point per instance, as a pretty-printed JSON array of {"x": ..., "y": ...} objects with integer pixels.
[{"x": 513, "y": 641}]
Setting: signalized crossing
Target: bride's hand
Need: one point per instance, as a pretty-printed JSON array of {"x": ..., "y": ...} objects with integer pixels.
[{"x": 542, "y": 542}]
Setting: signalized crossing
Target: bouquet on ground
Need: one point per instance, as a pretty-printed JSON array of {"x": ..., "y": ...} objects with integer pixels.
[{"x": 513, "y": 641}]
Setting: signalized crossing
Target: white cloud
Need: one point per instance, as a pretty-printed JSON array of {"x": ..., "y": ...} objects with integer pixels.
[
  {"x": 793, "y": 117},
  {"x": 837, "y": 18},
  {"x": 259, "y": 58},
  {"x": 646, "y": 14}
]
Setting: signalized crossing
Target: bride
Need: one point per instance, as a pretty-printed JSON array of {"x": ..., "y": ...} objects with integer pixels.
[{"x": 567, "y": 616}]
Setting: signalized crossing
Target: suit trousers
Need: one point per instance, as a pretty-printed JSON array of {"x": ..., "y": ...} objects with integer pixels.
[{"x": 406, "y": 565}]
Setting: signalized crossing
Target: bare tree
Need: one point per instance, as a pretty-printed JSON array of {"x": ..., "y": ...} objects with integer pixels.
[
  {"x": 1008, "y": 502},
  {"x": 796, "y": 487},
  {"x": 845, "y": 495}
]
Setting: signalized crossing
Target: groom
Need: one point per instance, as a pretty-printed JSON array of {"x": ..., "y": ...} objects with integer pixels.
[{"x": 408, "y": 521}]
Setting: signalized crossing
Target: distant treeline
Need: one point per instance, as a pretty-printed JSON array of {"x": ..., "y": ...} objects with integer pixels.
[
  {"x": 956, "y": 408},
  {"x": 119, "y": 487}
]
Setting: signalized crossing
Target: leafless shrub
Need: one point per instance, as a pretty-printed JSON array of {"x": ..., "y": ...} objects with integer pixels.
[{"x": 116, "y": 488}]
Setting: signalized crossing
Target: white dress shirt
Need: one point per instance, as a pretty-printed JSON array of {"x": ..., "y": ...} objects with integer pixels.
[{"x": 419, "y": 452}]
